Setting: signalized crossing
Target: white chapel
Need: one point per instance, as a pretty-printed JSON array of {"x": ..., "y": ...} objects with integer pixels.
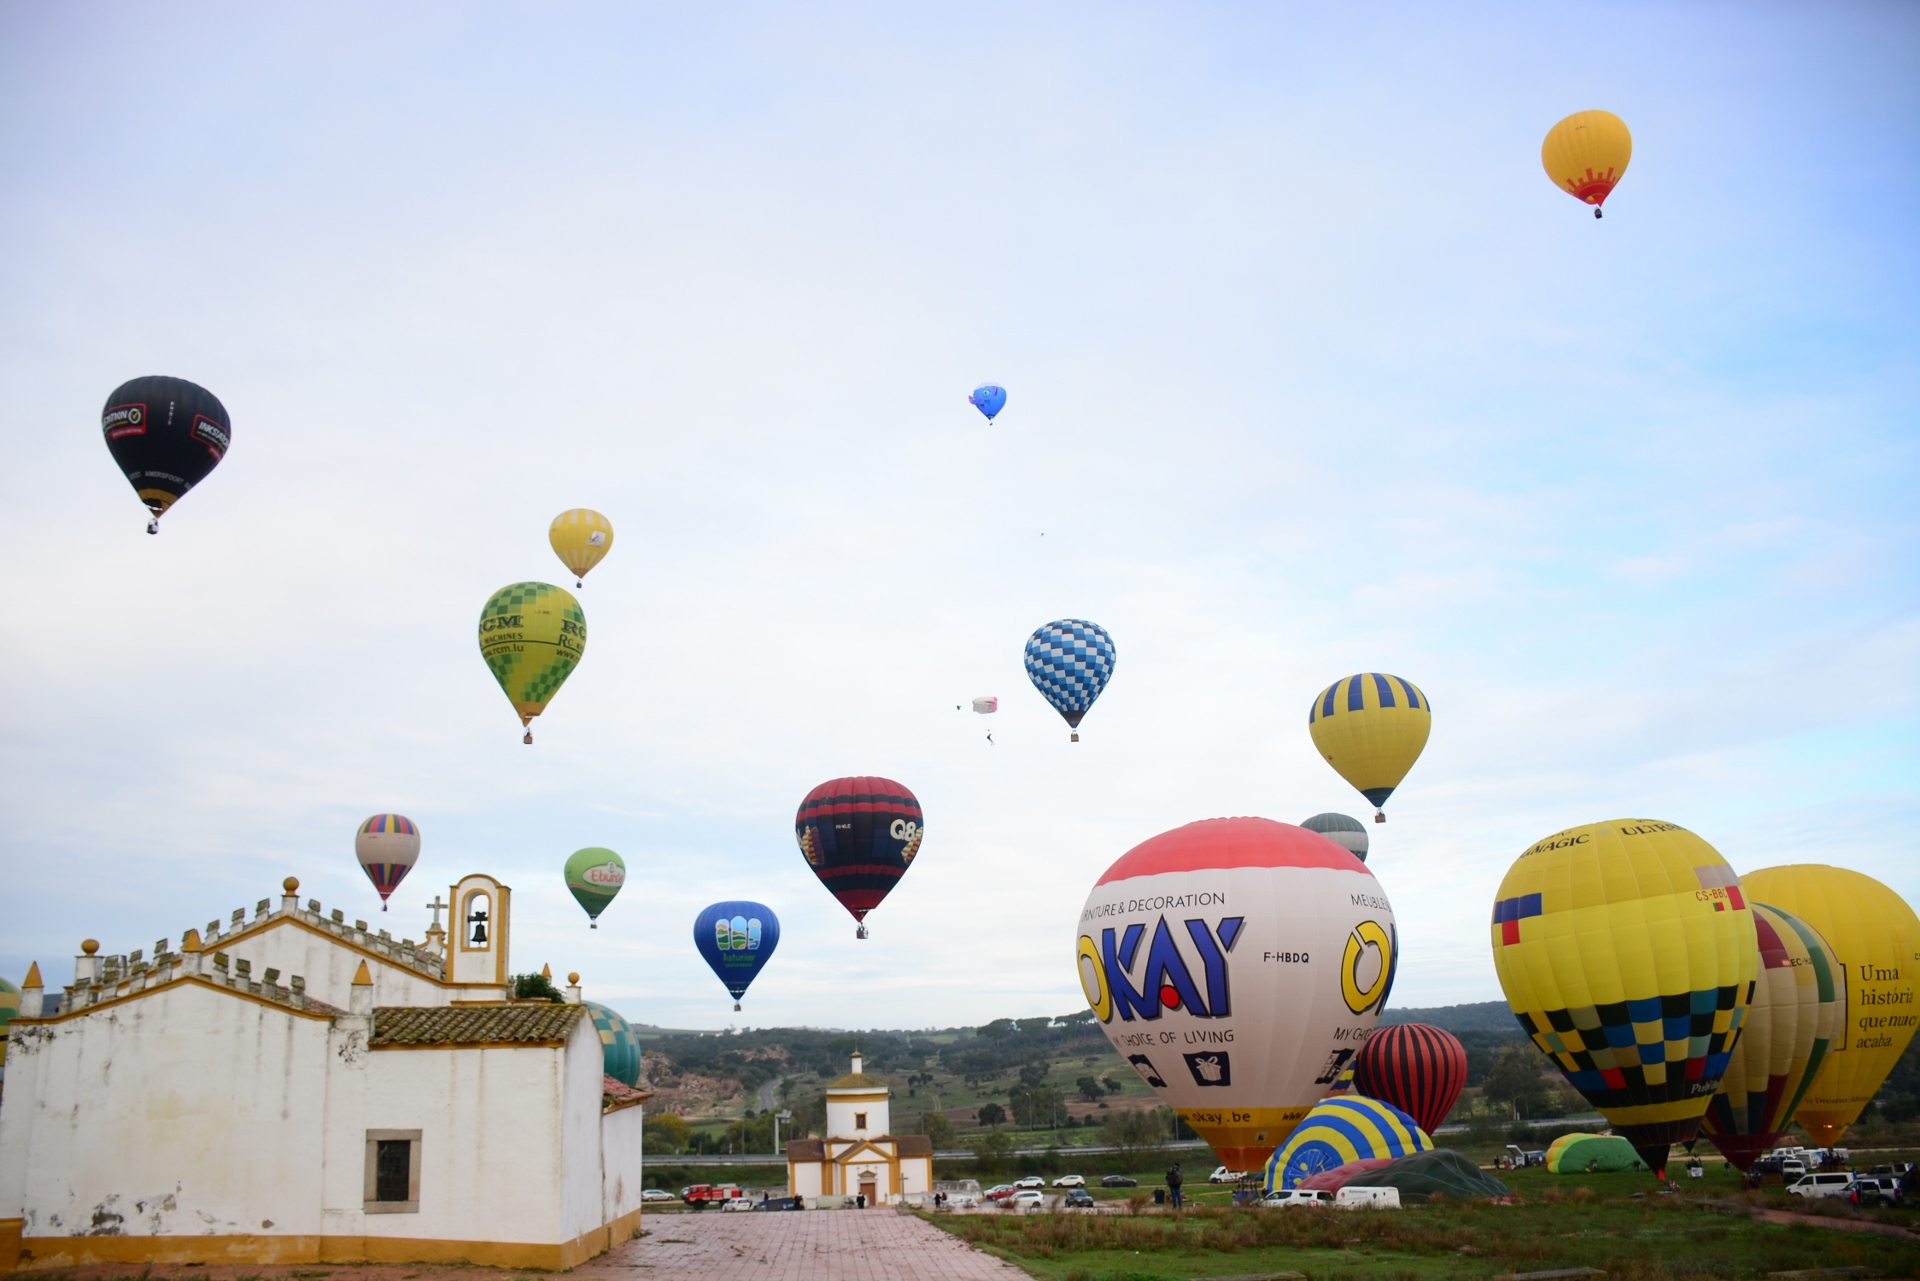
[
  {"x": 295, "y": 1088},
  {"x": 860, "y": 1157}
]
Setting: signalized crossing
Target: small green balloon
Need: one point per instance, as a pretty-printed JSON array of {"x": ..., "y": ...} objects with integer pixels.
[{"x": 595, "y": 876}]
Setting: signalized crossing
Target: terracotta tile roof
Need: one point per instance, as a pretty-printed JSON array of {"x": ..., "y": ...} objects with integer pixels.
[
  {"x": 912, "y": 1145},
  {"x": 618, "y": 1094},
  {"x": 806, "y": 1150},
  {"x": 474, "y": 1024}
]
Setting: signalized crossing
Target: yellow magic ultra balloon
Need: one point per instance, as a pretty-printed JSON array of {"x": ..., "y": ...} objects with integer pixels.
[
  {"x": 1875, "y": 940},
  {"x": 580, "y": 537},
  {"x": 1627, "y": 952}
]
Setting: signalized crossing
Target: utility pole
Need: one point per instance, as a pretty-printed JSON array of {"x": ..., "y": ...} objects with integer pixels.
[{"x": 784, "y": 1114}]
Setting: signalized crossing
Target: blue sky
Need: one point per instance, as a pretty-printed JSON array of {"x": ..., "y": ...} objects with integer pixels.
[{"x": 1311, "y": 370}]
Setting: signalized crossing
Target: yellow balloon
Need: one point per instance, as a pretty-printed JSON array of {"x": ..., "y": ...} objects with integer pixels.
[
  {"x": 1627, "y": 952},
  {"x": 580, "y": 537},
  {"x": 1371, "y": 728},
  {"x": 1876, "y": 941},
  {"x": 1586, "y": 154},
  {"x": 1791, "y": 1023},
  {"x": 532, "y": 636}
]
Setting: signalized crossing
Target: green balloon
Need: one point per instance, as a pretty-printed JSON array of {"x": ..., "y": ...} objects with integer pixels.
[{"x": 595, "y": 876}]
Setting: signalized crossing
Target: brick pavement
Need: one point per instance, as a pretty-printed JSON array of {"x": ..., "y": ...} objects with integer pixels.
[{"x": 815, "y": 1245}]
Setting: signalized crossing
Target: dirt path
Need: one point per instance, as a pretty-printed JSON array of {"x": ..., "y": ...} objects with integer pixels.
[{"x": 1786, "y": 1217}]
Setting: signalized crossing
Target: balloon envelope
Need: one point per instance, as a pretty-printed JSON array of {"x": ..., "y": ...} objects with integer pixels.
[
  {"x": 532, "y": 636},
  {"x": 1350, "y": 834},
  {"x": 166, "y": 434},
  {"x": 1339, "y": 1131},
  {"x": 580, "y": 536},
  {"x": 1237, "y": 964},
  {"x": 1070, "y": 661},
  {"x": 1596, "y": 1153},
  {"x": 387, "y": 845},
  {"x": 859, "y": 835},
  {"x": 1371, "y": 728},
  {"x": 1875, "y": 943},
  {"x": 594, "y": 875},
  {"x": 619, "y": 1045},
  {"x": 1794, "y": 1015},
  {"x": 1416, "y": 1067},
  {"x": 988, "y": 399},
  {"x": 1626, "y": 951},
  {"x": 1586, "y": 154},
  {"x": 736, "y": 938}
]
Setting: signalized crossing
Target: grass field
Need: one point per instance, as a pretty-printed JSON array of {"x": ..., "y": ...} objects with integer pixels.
[{"x": 1705, "y": 1230}]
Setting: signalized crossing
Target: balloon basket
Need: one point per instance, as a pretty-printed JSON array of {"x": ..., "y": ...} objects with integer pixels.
[
  {"x": 593, "y": 925},
  {"x": 528, "y": 740},
  {"x": 1596, "y": 213},
  {"x": 736, "y": 1007},
  {"x": 861, "y": 932},
  {"x": 1379, "y": 816},
  {"x": 153, "y": 526},
  {"x": 1075, "y": 737}
]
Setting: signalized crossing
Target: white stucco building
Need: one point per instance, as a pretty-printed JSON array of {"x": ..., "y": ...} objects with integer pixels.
[
  {"x": 382, "y": 1102},
  {"x": 860, "y": 1155}
]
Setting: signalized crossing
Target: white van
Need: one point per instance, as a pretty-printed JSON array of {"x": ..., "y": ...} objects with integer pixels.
[
  {"x": 1298, "y": 1196},
  {"x": 1351, "y": 1198},
  {"x": 1820, "y": 1185}
]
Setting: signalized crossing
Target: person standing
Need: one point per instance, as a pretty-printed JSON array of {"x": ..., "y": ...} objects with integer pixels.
[{"x": 1174, "y": 1180}]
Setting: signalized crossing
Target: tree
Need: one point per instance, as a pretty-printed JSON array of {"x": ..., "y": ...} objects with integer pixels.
[
  {"x": 992, "y": 1114},
  {"x": 1112, "y": 1086},
  {"x": 1132, "y": 1131},
  {"x": 1516, "y": 1080},
  {"x": 1089, "y": 1089},
  {"x": 937, "y": 1128},
  {"x": 1036, "y": 1109},
  {"x": 1033, "y": 1075},
  {"x": 991, "y": 1149},
  {"x": 665, "y": 1135},
  {"x": 536, "y": 987}
]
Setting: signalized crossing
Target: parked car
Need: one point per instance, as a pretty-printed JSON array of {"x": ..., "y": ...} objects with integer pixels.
[
  {"x": 1080, "y": 1199},
  {"x": 1001, "y": 1191},
  {"x": 780, "y": 1203},
  {"x": 1792, "y": 1169},
  {"x": 1070, "y": 1181},
  {"x": 1298, "y": 1196},
  {"x": 1028, "y": 1199},
  {"x": 657, "y": 1194},
  {"x": 1518, "y": 1158},
  {"x": 740, "y": 1203},
  {"x": 1352, "y": 1198},
  {"x": 1119, "y": 1181},
  {"x": 1031, "y": 1181},
  {"x": 1820, "y": 1184},
  {"x": 1221, "y": 1174},
  {"x": 1872, "y": 1191}
]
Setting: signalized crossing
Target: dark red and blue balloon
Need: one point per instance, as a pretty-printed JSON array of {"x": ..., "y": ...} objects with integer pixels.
[
  {"x": 166, "y": 434},
  {"x": 1417, "y": 1067},
  {"x": 859, "y": 836},
  {"x": 736, "y": 938}
]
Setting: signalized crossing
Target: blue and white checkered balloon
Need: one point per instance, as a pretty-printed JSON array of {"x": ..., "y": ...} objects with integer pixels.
[{"x": 1070, "y": 661}]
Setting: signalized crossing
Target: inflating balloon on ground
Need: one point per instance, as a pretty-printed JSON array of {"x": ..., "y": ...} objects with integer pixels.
[
  {"x": 1626, "y": 951},
  {"x": 1237, "y": 965},
  {"x": 859, "y": 835},
  {"x": 1341, "y": 1131}
]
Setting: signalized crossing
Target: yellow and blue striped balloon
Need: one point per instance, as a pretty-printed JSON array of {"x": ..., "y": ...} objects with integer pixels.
[
  {"x": 1371, "y": 727},
  {"x": 1350, "y": 1127}
]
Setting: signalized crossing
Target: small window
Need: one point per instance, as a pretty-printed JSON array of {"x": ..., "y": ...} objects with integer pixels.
[
  {"x": 859, "y": 1120},
  {"x": 393, "y": 1172}
]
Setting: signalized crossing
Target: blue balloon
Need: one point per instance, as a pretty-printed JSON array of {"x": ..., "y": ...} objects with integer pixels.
[
  {"x": 1070, "y": 661},
  {"x": 988, "y": 399},
  {"x": 736, "y": 938}
]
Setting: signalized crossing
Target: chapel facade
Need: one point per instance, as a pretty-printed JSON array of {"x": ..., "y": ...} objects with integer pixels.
[
  {"x": 383, "y": 1102},
  {"x": 860, "y": 1157}
]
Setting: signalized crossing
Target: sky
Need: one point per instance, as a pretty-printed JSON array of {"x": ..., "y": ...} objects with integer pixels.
[{"x": 1311, "y": 371}]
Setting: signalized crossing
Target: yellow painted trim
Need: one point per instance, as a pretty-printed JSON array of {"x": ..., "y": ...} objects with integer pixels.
[
  {"x": 864, "y": 1096},
  {"x": 184, "y": 980},
  {"x": 71, "y": 1252},
  {"x": 10, "y": 1230}
]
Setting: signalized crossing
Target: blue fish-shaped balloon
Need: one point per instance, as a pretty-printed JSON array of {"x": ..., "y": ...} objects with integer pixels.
[
  {"x": 988, "y": 399},
  {"x": 736, "y": 938},
  {"x": 1070, "y": 661}
]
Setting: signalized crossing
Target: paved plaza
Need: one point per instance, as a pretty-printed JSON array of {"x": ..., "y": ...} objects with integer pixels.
[{"x": 815, "y": 1245}]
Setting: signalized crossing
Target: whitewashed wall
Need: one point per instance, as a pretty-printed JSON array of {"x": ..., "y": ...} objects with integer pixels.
[
  {"x": 624, "y": 1169},
  {"x": 329, "y": 968}
]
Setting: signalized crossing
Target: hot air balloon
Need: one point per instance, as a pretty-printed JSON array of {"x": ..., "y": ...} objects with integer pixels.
[
  {"x": 532, "y": 636},
  {"x": 166, "y": 434},
  {"x": 1418, "y": 1068},
  {"x": 736, "y": 938},
  {"x": 1626, "y": 950},
  {"x": 1586, "y": 154},
  {"x": 988, "y": 399},
  {"x": 1336, "y": 1131},
  {"x": 1874, "y": 940},
  {"x": 1792, "y": 1019},
  {"x": 1237, "y": 964},
  {"x": 1070, "y": 661},
  {"x": 594, "y": 876},
  {"x": 986, "y": 706},
  {"x": 859, "y": 835},
  {"x": 619, "y": 1047},
  {"x": 580, "y": 537},
  {"x": 1349, "y": 834},
  {"x": 1371, "y": 728},
  {"x": 387, "y": 845},
  {"x": 1591, "y": 1154}
]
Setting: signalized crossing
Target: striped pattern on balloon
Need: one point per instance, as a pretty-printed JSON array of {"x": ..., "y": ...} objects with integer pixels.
[
  {"x": 1343, "y": 1130},
  {"x": 1416, "y": 1067}
]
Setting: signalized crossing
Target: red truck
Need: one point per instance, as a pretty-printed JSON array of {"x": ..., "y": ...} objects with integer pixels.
[{"x": 702, "y": 1195}]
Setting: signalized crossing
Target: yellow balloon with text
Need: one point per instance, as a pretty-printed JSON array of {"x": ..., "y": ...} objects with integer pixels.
[
  {"x": 580, "y": 537},
  {"x": 1875, "y": 939}
]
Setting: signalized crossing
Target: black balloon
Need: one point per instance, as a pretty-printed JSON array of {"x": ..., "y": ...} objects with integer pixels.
[{"x": 166, "y": 434}]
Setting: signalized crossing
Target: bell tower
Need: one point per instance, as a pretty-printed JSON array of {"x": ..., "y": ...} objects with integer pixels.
[{"x": 481, "y": 923}]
